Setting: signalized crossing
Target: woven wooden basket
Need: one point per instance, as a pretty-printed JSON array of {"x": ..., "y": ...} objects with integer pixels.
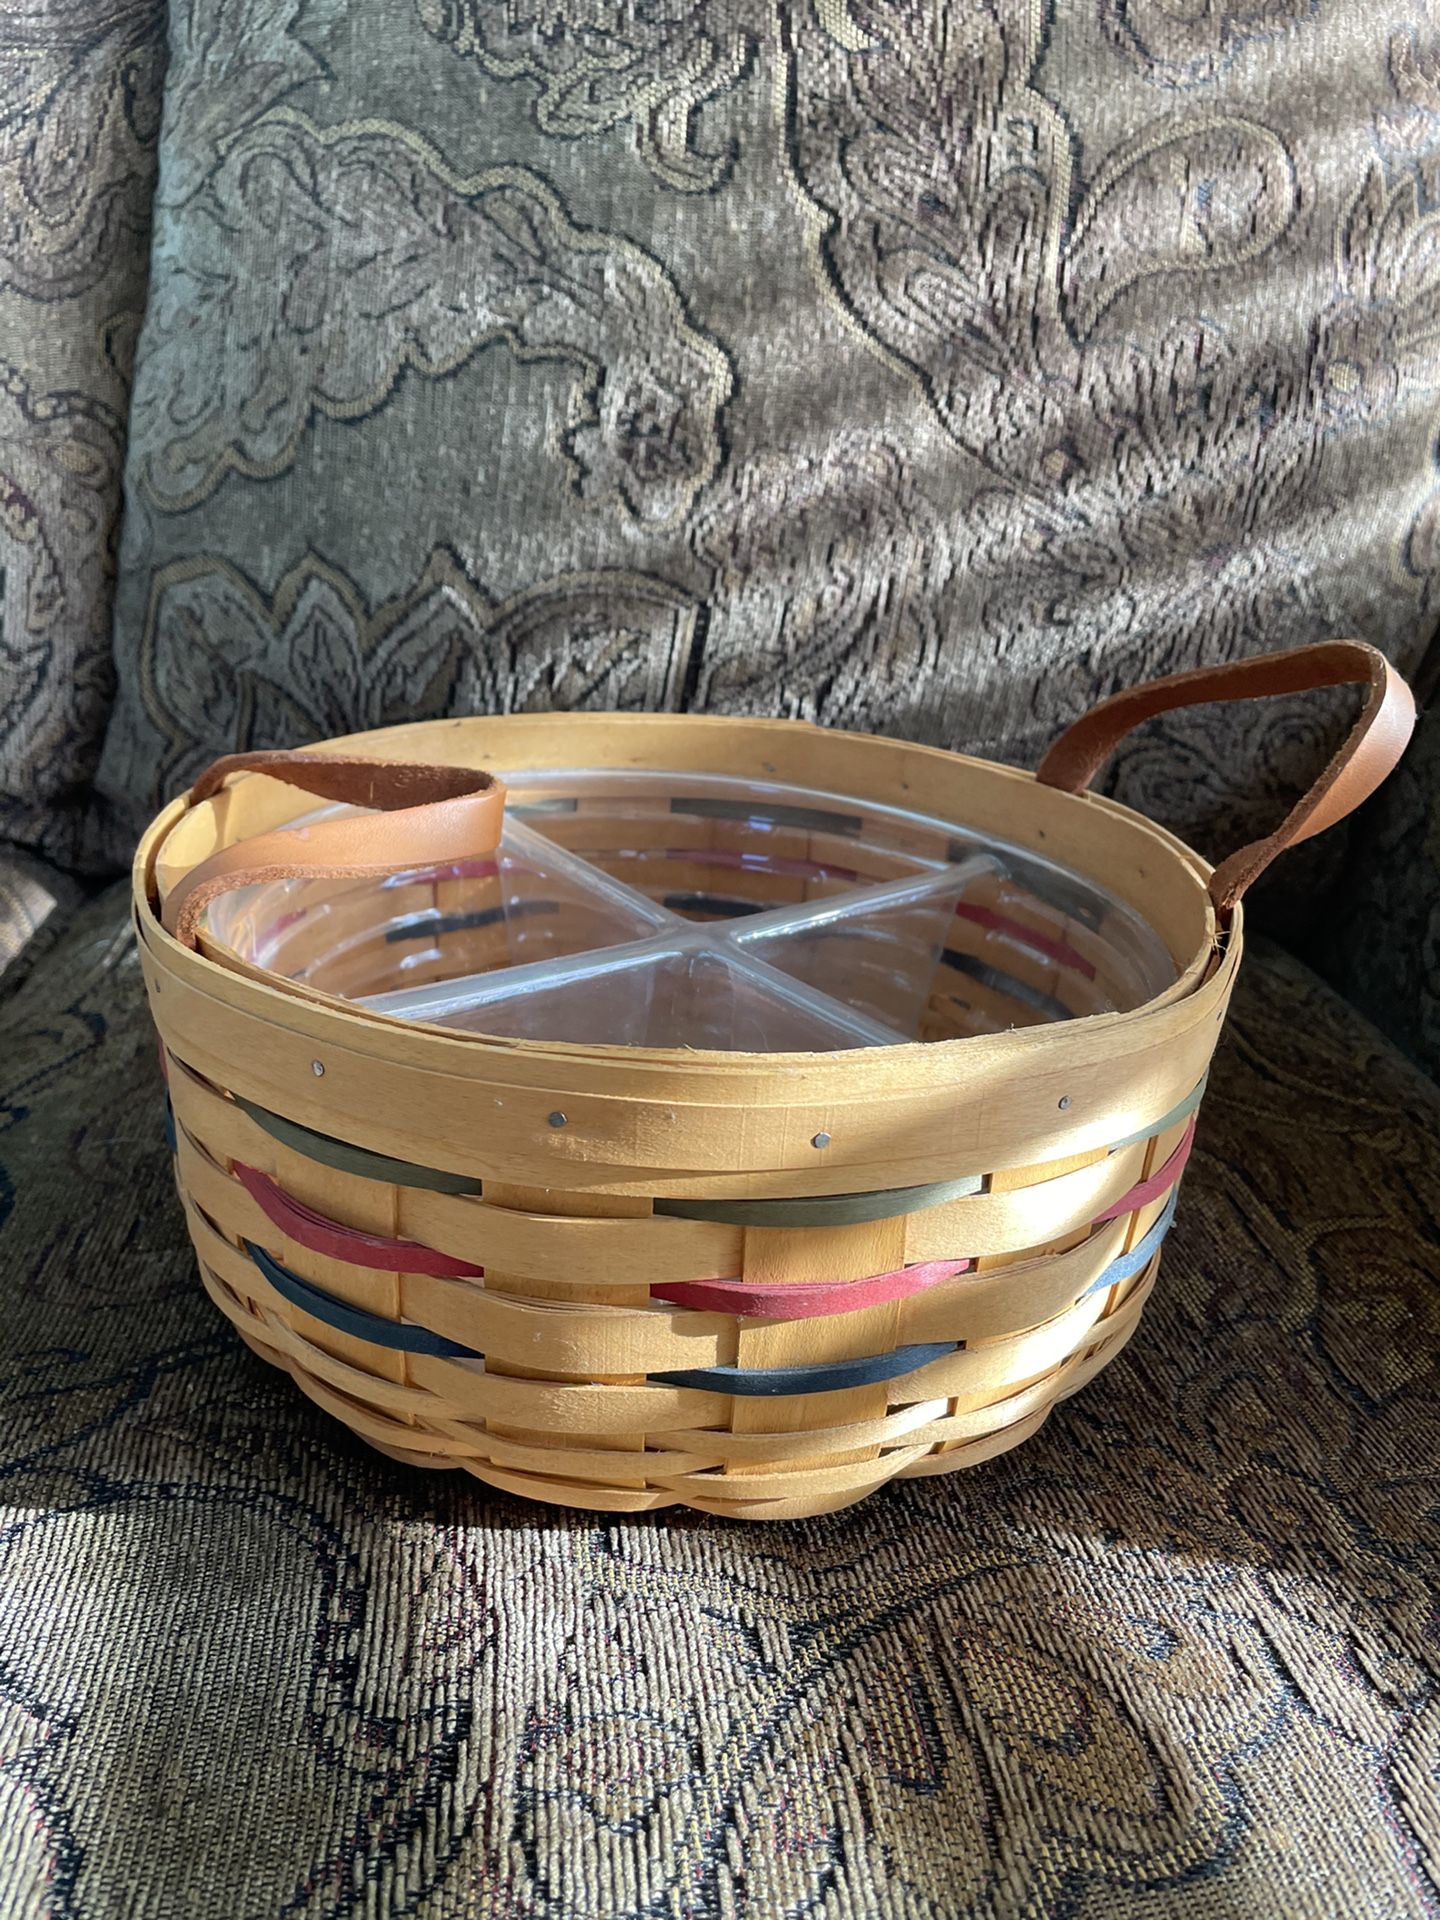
[{"x": 757, "y": 1284}]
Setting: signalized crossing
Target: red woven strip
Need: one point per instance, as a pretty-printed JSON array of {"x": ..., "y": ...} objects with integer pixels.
[
  {"x": 1159, "y": 1182},
  {"x": 1059, "y": 951},
  {"x": 802, "y": 1300},
  {"x": 307, "y": 1228},
  {"x": 782, "y": 1300}
]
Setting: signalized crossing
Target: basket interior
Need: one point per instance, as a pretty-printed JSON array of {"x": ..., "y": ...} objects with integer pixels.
[{"x": 670, "y": 910}]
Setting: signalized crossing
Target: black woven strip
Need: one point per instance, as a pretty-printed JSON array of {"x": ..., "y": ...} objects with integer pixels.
[
  {"x": 710, "y": 903},
  {"x": 1006, "y": 984},
  {"x": 829, "y": 1377},
  {"x": 431, "y": 925}
]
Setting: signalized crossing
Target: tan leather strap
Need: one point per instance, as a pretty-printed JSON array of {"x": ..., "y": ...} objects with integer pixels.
[
  {"x": 426, "y": 816},
  {"x": 1368, "y": 755}
]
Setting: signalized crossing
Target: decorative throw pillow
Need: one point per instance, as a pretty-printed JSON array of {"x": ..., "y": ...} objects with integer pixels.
[
  {"x": 79, "y": 113},
  {"x": 931, "y": 367}
]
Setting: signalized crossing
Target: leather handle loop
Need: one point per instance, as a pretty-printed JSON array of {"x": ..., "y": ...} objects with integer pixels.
[
  {"x": 423, "y": 816},
  {"x": 1367, "y": 756}
]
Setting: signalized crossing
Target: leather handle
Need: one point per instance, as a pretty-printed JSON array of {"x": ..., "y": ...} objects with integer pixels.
[
  {"x": 1367, "y": 756},
  {"x": 424, "y": 816}
]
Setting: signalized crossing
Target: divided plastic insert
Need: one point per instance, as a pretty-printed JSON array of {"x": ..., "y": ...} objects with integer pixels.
[{"x": 664, "y": 910}]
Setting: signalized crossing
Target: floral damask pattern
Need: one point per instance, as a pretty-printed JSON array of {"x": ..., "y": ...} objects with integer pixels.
[
  {"x": 1408, "y": 135},
  {"x": 1160, "y": 489},
  {"x": 437, "y": 269},
  {"x": 1148, "y": 496},
  {"x": 79, "y": 112},
  {"x": 312, "y": 660},
  {"x": 1409, "y": 122},
  {"x": 649, "y": 65},
  {"x": 943, "y": 177},
  {"x": 59, "y": 487},
  {"x": 1191, "y": 44},
  {"x": 1135, "y": 483},
  {"x": 1375, "y": 342},
  {"x": 345, "y": 1726},
  {"x": 233, "y": 59},
  {"x": 826, "y": 576},
  {"x": 1189, "y": 522},
  {"x": 822, "y": 580}
]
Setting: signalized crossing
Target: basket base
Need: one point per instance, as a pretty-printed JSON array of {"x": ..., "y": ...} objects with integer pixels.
[{"x": 388, "y": 1435}]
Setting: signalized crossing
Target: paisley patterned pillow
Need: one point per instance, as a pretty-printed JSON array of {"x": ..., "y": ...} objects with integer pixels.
[
  {"x": 927, "y": 366},
  {"x": 79, "y": 112}
]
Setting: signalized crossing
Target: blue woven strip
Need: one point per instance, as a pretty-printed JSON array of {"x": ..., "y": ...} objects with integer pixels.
[
  {"x": 171, "y": 1137},
  {"x": 1129, "y": 1264},
  {"x": 826, "y": 1378},
  {"x": 355, "y": 1320}
]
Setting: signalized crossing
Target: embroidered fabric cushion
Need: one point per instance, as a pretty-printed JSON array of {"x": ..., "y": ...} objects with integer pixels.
[
  {"x": 79, "y": 111},
  {"x": 929, "y": 368}
]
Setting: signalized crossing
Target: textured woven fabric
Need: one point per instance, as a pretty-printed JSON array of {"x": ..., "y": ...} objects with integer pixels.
[
  {"x": 79, "y": 110},
  {"x": 1382, "y": 939},
  {"x": 34, "y": 900},
  {"x": 932, "y": 367},
  {"x": 1176, "y": 1658}
]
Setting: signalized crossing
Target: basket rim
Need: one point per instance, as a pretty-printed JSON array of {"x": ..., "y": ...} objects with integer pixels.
[
  {"x": 403, "y": 740},
  {"x": 780, "y": 1095}
]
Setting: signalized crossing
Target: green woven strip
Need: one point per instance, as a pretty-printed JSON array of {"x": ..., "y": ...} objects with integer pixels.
[
  {"x": 853, "y": 1209},
  {"x": 345, "y": 1158},
  {"x": 823, "y": 1210},
  {"x": 1186, "y": 1107},
  {"x": 817, "y": 1210}
]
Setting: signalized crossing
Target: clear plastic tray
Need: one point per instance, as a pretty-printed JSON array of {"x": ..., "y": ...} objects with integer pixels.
[{"x": 660, "y": 910}]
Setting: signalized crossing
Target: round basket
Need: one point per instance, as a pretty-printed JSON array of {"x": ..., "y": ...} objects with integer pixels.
[{"x": 759, "y": 1284}]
